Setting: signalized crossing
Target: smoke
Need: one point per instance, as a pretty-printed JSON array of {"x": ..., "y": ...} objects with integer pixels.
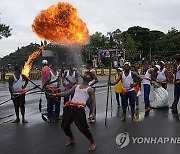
[{"x": 75, "y": 54}]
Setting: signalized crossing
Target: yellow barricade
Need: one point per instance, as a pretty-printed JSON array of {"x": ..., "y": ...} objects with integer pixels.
[
  {"x": 102, "y": 71},
  {"x": 113, "y": 71},
  {"x": 35, "y": 74},
  {"x": 83, "y": 71},
  {"x": 8, "y": 75},
  {"x": 106, "y": 72},
  {"x": 99, "y": 71}
]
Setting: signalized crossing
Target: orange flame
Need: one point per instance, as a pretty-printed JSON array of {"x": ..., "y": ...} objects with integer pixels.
[
  {"x": 29, "y": 62},
  {"x": 60, "y": 23}
]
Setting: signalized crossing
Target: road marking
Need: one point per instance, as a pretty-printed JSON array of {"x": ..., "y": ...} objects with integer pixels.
[
  {"x": 6, "y": 116},
  {"x": 5, "y": 122},
  {"x": 100, "y": 92},
  {"x": 9, "y": 120}
]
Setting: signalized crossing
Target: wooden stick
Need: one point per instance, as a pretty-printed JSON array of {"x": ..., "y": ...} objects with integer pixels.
[
  {"x": 36, "y": 86},
  {"x": 42, "y": 115},
  {"x": 111, "y": 99},
  {"x": 107, "y": 98},
  {"x": 41, "y": 89}
]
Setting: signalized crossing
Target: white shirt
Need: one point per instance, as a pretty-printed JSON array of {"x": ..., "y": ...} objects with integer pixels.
[
  {"x": 127, "y": 81},
  {"x": 53, "y": 78},
  {"x": 80, "y": 95},
  {"x": 161, "y": 76},
  {"x": 17, "y": 85},
  {"x": 71, "y": 78},
  {"x": 147, "y": 78},
  {"x": 178, "y": 73}
]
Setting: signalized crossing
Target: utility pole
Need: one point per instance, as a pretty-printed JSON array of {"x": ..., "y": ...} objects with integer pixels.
[
  {"x": 89, "y": 54},
  {"x": 150, "y": 53},
  {"x": 124, "y": 53}
]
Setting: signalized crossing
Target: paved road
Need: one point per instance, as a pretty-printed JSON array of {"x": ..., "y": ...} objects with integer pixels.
[{"x": 40, "y": 137}]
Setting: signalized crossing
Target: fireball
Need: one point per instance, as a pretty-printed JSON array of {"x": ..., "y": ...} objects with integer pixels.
[{"x": 60, "y": 23}]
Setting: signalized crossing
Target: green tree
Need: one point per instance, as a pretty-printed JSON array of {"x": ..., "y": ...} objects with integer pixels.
[
  {"x": 130, "y": 47},
  {"x": 142, "y": 38},
  {"x": 20, "y": 55},
  {"x": 117, "y": 37},
  {"x": 5, "y": 30},
  {"x": 169, "y": 44},
  {"x": 155, "y": 37},
  {"x": 97, "y": 40}
]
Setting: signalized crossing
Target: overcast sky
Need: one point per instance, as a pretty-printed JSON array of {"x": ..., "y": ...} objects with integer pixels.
[{"x": 99, "y": 15}]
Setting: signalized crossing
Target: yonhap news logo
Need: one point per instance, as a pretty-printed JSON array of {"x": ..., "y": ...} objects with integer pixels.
[{"x": 124, "y": 139}]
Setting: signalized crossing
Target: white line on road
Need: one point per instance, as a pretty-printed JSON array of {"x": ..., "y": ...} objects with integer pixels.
[{"x": 100, "y": 92}]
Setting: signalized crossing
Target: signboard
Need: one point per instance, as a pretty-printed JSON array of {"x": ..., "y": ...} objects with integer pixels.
[{"x": 47, "y": 53}]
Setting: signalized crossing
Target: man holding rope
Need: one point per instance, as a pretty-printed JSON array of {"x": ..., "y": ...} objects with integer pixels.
[
  {"x": 128, "y": 92},
  {"x": 151, "y": 75},
  {"x": 162, "y": 76},
  {"x": 44, "y": 75},
  {"x": 16, "y": 88},
  {"x": 53, "y": 82},
  {"x": 45, "y": 71},
  {"x": 74, "y": 110}
]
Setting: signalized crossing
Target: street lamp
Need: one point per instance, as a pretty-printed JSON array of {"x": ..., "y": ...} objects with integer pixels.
[
  {"x": 124, "y": 51},
  {"x": 89, "y": 54}
]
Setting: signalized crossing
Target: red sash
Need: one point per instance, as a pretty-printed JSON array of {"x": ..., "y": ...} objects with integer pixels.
[
  {"x": 78, "y": 104},
  {"x": 54, "y": 90},
  {"x": 147, "y": 79}
]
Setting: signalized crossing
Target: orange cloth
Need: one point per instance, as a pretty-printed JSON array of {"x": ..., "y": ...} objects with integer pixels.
[
  {"x": 23, "y": 90},
  {"x": 147, "y": 79},
  {"x": 54, "y": 90},
  {"x": 136, "y": 89},
  {"x": 124, "y": 91},
  {"x": 78, "y": 104}
]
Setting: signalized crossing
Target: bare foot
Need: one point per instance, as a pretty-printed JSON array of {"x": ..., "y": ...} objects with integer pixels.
[
  {"x": 134, "y": 119},
  {"x": 16, "y": 121},
  {"x": 70, "y": 142},
  {"x": 24, "y": 121},
  {"x": 93, "y": 146}
]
